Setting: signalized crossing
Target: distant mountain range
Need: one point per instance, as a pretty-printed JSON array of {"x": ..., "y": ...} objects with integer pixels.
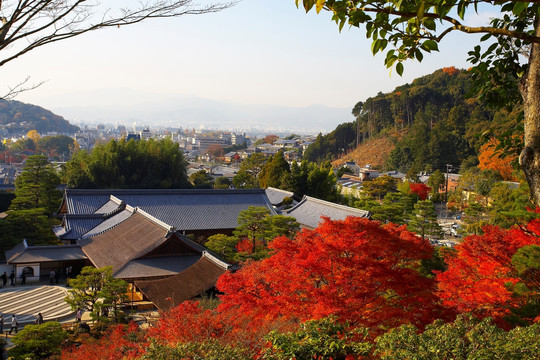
[{"x": 131, "y": 107}]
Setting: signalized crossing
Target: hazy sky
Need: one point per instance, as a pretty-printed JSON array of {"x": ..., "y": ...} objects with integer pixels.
[{"x": 258, "y": 52}]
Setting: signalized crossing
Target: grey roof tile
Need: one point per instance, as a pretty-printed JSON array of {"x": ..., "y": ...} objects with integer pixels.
[
  {"x": 33, "y": 254},
  {"x": 185, "y": 209},
  {"x": 276, "y": 196},
  {"x": 108, "y": 223},
  {"x": 308, "y": 212},
  {"x": 159, "y": 266}
]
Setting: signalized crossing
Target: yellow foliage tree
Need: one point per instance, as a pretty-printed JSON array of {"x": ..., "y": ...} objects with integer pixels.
[{"x": 33, "y": 134}]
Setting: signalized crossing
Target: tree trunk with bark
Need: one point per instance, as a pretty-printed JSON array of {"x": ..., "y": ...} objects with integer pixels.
[{"x": 530, "y": 90}]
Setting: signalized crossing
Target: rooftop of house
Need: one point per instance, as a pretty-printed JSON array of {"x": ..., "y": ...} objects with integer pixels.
[{"x": 309, "y": 211}]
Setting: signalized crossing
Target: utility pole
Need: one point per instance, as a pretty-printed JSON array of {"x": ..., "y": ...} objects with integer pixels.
[{"x": 448, "y": 167}]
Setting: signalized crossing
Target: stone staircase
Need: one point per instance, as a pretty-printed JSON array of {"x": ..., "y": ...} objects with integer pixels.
[{"x": 26, "y": 302}]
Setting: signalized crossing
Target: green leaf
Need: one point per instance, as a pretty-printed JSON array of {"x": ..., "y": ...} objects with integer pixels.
[
  {"x": 461, "y": 9},
  {"x": 420, "y": 13},
  {"x": 430, "y": 45},
  {"x": 429, "y": 24},
  {"x": 341, "y": 24},
  {"x": 519, "y": 7},
  {"x": 485, "y": 37},
  {"x": 418, "y": 54},
  {"x": 375, "y": 46},
  {"x": 308, "y": 4},
  {"x": 399, "y": 68}
]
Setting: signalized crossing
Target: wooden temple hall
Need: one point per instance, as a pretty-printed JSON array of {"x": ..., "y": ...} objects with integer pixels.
[{"x": 142, "y": 234}]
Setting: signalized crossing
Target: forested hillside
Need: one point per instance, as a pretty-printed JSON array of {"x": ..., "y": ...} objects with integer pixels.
[
  {"x": 18, "y": 117},
  {"x": 433, "y": 122}
]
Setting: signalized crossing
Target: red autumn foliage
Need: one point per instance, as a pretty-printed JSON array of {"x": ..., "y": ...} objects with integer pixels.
[
  {"x": 420, "y": 189},
  {"x": 246, "y": 245},
  {"x": 120, "y": 342},
  {"x": 354, "y": 269},
  {"x": 190, "y": 323},
  {"x": 480, "y": 271}
]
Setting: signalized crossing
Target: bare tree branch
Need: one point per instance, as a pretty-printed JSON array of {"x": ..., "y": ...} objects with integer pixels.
[
  {"x": 19, "y": 88},
  {"x": 28, "y": 24}
]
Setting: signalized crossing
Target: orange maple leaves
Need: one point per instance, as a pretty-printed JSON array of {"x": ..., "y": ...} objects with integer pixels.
[{"x": 492, "y": 159}]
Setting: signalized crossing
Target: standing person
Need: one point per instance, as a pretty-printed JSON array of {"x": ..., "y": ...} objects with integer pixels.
[
  {"x": 23, "y": 278},
  {"x": 14, "y": 324},
  {"x": 52, "y": 275},
  {"x": 4, "y": 279},
  {"x": 39, "y": 319},
  {"x": 1, "y": 322},
  {"x": 12, "y": 278},
  {"x": 78, "y": 315}
]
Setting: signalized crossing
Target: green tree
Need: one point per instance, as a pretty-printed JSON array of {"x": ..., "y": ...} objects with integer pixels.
[
  {"x": 436, "y": 181},
  {"x": 313, "y": 180},
  {"x": 125, "y": 164},
  {"x": 321, "y": 183},
  {"x": 38, "y": 341},
  {"x": 247, "y": 176},
  {"x": 526, "y": 261},
  {"x": 97, "y": 291},
  {"x": 202, "y": 180},
  {"x": 508, "y": 206},
  {"x": 474, "y": 218},
  {"x": 274, "y": 171},
  {"x": 325, "y": 338},
  {"x": 32, "y": 225},
  {"x": 222, "y": 182},
  {"x": 379, "y": 187},
  {"x": 412, "y": 28},
  {"x": 36, "y": 186},
  {"x": 256, "y": 228},
  {"x": 395, "y": 208},
  {"x": 60, "y": 147},
  {"x": 222, "y": 245},
  {"x": 423, "y": 220},
  {"x": 465, "y": 338}
]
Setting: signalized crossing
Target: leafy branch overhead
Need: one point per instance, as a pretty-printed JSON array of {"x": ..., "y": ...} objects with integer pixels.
[{"x": 413, "y": 27}]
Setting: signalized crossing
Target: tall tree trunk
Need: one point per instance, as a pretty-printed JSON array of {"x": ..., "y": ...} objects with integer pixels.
[{"x": 530, "y": 89}]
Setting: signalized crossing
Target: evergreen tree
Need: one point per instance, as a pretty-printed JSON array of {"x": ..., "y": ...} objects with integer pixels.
[
  {"x": 201, "y": 180},
  {"x": 474, "y": 218},
  {"x": 247, "y": 176},
  {"x": 274, "y": 171},
  {"x": 121, "y": 164},
  {"x": 423, "y": 220},
  {"x": 36, "y": 187}
]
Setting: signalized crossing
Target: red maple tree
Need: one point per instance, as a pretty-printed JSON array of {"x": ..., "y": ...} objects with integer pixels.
[
  {"x": 119, "y": 342},
  {"x": 420, "y": 189},
  {"x": 354, "y": 269},
  {"x": 480, "y": 274}
]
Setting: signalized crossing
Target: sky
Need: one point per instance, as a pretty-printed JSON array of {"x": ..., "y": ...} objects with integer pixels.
[{"x": 257, "y": 52}]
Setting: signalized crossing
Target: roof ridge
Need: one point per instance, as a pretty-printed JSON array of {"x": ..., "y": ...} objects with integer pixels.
[
  {"x": 333, "y": 204},
  {"x": 154, "y": 219},
  {"x": 114, "y": 192},
  {"x": 215, "y": 260},
  {"x": 112, "y": 227}
]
